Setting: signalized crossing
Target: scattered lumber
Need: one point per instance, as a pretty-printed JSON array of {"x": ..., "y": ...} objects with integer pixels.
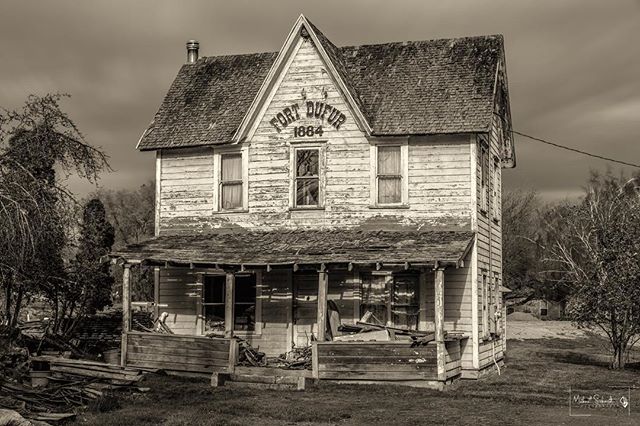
[
  {"x": 368, "y": 336},
  {"x": 77, "y": 369},
  {"x": 248, "y": 356},
  {"x": 298, "y": 358}
]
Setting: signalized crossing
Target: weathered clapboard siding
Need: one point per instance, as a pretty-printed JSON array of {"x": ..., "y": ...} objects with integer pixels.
[
  {"x": 457, "y": 298},
  {"x": 275, "y": 300},
  {"x": 384, "y": 361},
  {"x": 487, "y": 349},
  {"x": 439, "y": 171},
  {"x": 453, "y": 362},
  {"x": 179, "y": 293},
  {"x": 179, "y": 353}
]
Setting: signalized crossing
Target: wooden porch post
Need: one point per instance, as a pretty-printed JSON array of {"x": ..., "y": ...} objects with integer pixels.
[
  {"x": 439, "y": 322},
  {"x": 228, "y": 304},
  {"x": 323, "y": 289},
  {"x": 126, "y": 311},
  {"x": 156, "y": 292}
]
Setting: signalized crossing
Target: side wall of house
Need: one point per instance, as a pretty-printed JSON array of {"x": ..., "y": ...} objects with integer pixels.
[
  {"x": 489, "y": 248},
  {"x": 439, "y": 184}
]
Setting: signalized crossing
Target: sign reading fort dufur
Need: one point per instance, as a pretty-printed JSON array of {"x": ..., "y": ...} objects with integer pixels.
[{"x": 320, "y": 110}]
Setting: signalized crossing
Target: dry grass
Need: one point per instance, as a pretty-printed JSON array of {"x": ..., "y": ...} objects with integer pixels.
[{"x": 532, "y": 390}]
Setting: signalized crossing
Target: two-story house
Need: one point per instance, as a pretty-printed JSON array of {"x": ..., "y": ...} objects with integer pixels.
[{"x": 320, "y": 186}]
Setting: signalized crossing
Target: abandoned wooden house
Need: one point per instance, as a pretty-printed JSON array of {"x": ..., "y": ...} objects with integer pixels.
[{"x": 301, "y": 192}]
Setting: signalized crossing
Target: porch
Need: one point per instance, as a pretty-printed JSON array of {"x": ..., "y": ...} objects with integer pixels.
[{"x": 309, "y": 297}]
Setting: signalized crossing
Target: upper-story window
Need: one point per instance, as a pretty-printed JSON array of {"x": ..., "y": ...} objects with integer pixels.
[
  {"x": 306, "y": 176},
  {"x": 231, "y": 179},
  {"x": 390, "y": 186}
]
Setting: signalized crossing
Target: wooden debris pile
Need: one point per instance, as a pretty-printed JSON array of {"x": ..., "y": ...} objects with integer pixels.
[
  {"x": 299, "y": 358},
  {"x": 364, "y": 331},
  {"x": 250, "y": 357},
  {"x": 71, "y": 384}
]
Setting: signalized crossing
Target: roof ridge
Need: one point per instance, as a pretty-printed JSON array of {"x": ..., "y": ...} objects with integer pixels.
[{"x": 498, "y": 35}]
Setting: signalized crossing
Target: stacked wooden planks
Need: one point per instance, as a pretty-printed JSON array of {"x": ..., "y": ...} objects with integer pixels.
[
  {"x": 173, "y": 352},
  {"x": 375, "y": 361}
]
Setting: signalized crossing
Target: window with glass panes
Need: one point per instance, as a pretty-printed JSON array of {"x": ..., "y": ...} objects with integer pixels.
[
  {"x": 231, "y": 181},
  {"x": 391, "y": 299},
  {"x": 213, "y": 303},
  {"x": 244, "y": 303},
  {"x": 307, "y": 177},
  {"x": 389, "y": 175}
]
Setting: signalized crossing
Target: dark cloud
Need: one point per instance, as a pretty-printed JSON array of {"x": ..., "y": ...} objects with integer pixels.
[{"x": 573, "y": 66}]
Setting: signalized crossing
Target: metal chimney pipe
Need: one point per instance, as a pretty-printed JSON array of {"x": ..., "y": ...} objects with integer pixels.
[{"x": 192, "y": 51}]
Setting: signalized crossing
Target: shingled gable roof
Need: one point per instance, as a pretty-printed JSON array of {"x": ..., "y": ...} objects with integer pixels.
[{"x": 423, "y": 87}]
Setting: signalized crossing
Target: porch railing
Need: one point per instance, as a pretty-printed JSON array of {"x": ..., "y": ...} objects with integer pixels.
[{"x": 182, "y": 353}]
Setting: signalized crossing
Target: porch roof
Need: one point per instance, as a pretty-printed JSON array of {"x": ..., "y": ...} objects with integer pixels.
[{"x": 288, "y": 247}]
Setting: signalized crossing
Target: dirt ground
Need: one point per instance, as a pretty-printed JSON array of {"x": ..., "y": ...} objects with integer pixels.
[
  {"x": 532, "y": 389},
  {"x": 524, "y": 330}
]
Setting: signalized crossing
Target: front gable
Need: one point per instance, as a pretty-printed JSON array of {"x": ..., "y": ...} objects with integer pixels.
[{"x": 321, "y": 55}]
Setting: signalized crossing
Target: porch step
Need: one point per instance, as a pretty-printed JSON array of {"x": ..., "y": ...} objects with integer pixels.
[{"x": 258, "y": 381}]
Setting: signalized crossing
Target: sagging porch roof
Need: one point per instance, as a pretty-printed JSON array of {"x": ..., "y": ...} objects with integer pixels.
[{"x": 303, "y": 247}]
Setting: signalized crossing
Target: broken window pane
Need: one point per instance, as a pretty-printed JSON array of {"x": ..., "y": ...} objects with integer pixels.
[
  {"x": 307, "y": 192},
  {"x": 307, "y": 162},
  {"x": 307, "y": 177},
  {"x": 390, "y": 299},
  {"x": 374, "y": 298},
  {"x": 405, "y": 306}
]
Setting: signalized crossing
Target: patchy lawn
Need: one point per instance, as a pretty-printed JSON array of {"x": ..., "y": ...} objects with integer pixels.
[{"x": 533, "y": 389}]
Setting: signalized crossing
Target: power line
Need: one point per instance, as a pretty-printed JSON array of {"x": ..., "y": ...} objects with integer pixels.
[{"x": 613, "y": 160}]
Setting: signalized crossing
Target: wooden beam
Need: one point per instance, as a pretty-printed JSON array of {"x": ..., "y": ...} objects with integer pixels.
[
  {"x": 126, "y": 311},
  {"x": 126, "y": 298},
  {"x": 156, "y": 292},
  {"x": 228, "y": 304},
  {"x": 422, "y": 294},
  {"x": 323, "y": 289},
  {"x": 199, "y": 311},
  {"x": 439, "y": 322}
]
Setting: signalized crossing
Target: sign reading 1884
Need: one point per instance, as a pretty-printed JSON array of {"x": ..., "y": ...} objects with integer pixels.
[{"x": 319, "y": 110}]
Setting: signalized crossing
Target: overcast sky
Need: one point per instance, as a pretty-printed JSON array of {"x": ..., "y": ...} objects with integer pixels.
[{"x": 573, "y": 66}]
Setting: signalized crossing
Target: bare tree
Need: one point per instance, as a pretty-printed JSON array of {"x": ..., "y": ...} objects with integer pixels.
[
  {"x": 597, "y": 252},
  {"x": 37, "y": 142}
]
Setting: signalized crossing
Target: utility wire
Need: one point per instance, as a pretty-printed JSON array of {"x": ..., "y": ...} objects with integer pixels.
[{"x": 613, "y": 160}]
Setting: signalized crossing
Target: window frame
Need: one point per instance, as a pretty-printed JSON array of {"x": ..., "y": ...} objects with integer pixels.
[
  {"x": 219, "y": 153},
  {"x": 389, "y": 295},
  {"x": 403, "y": 143},
  {"x": 257, "y": 331},
  {"x": 296, "y": 146}
]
